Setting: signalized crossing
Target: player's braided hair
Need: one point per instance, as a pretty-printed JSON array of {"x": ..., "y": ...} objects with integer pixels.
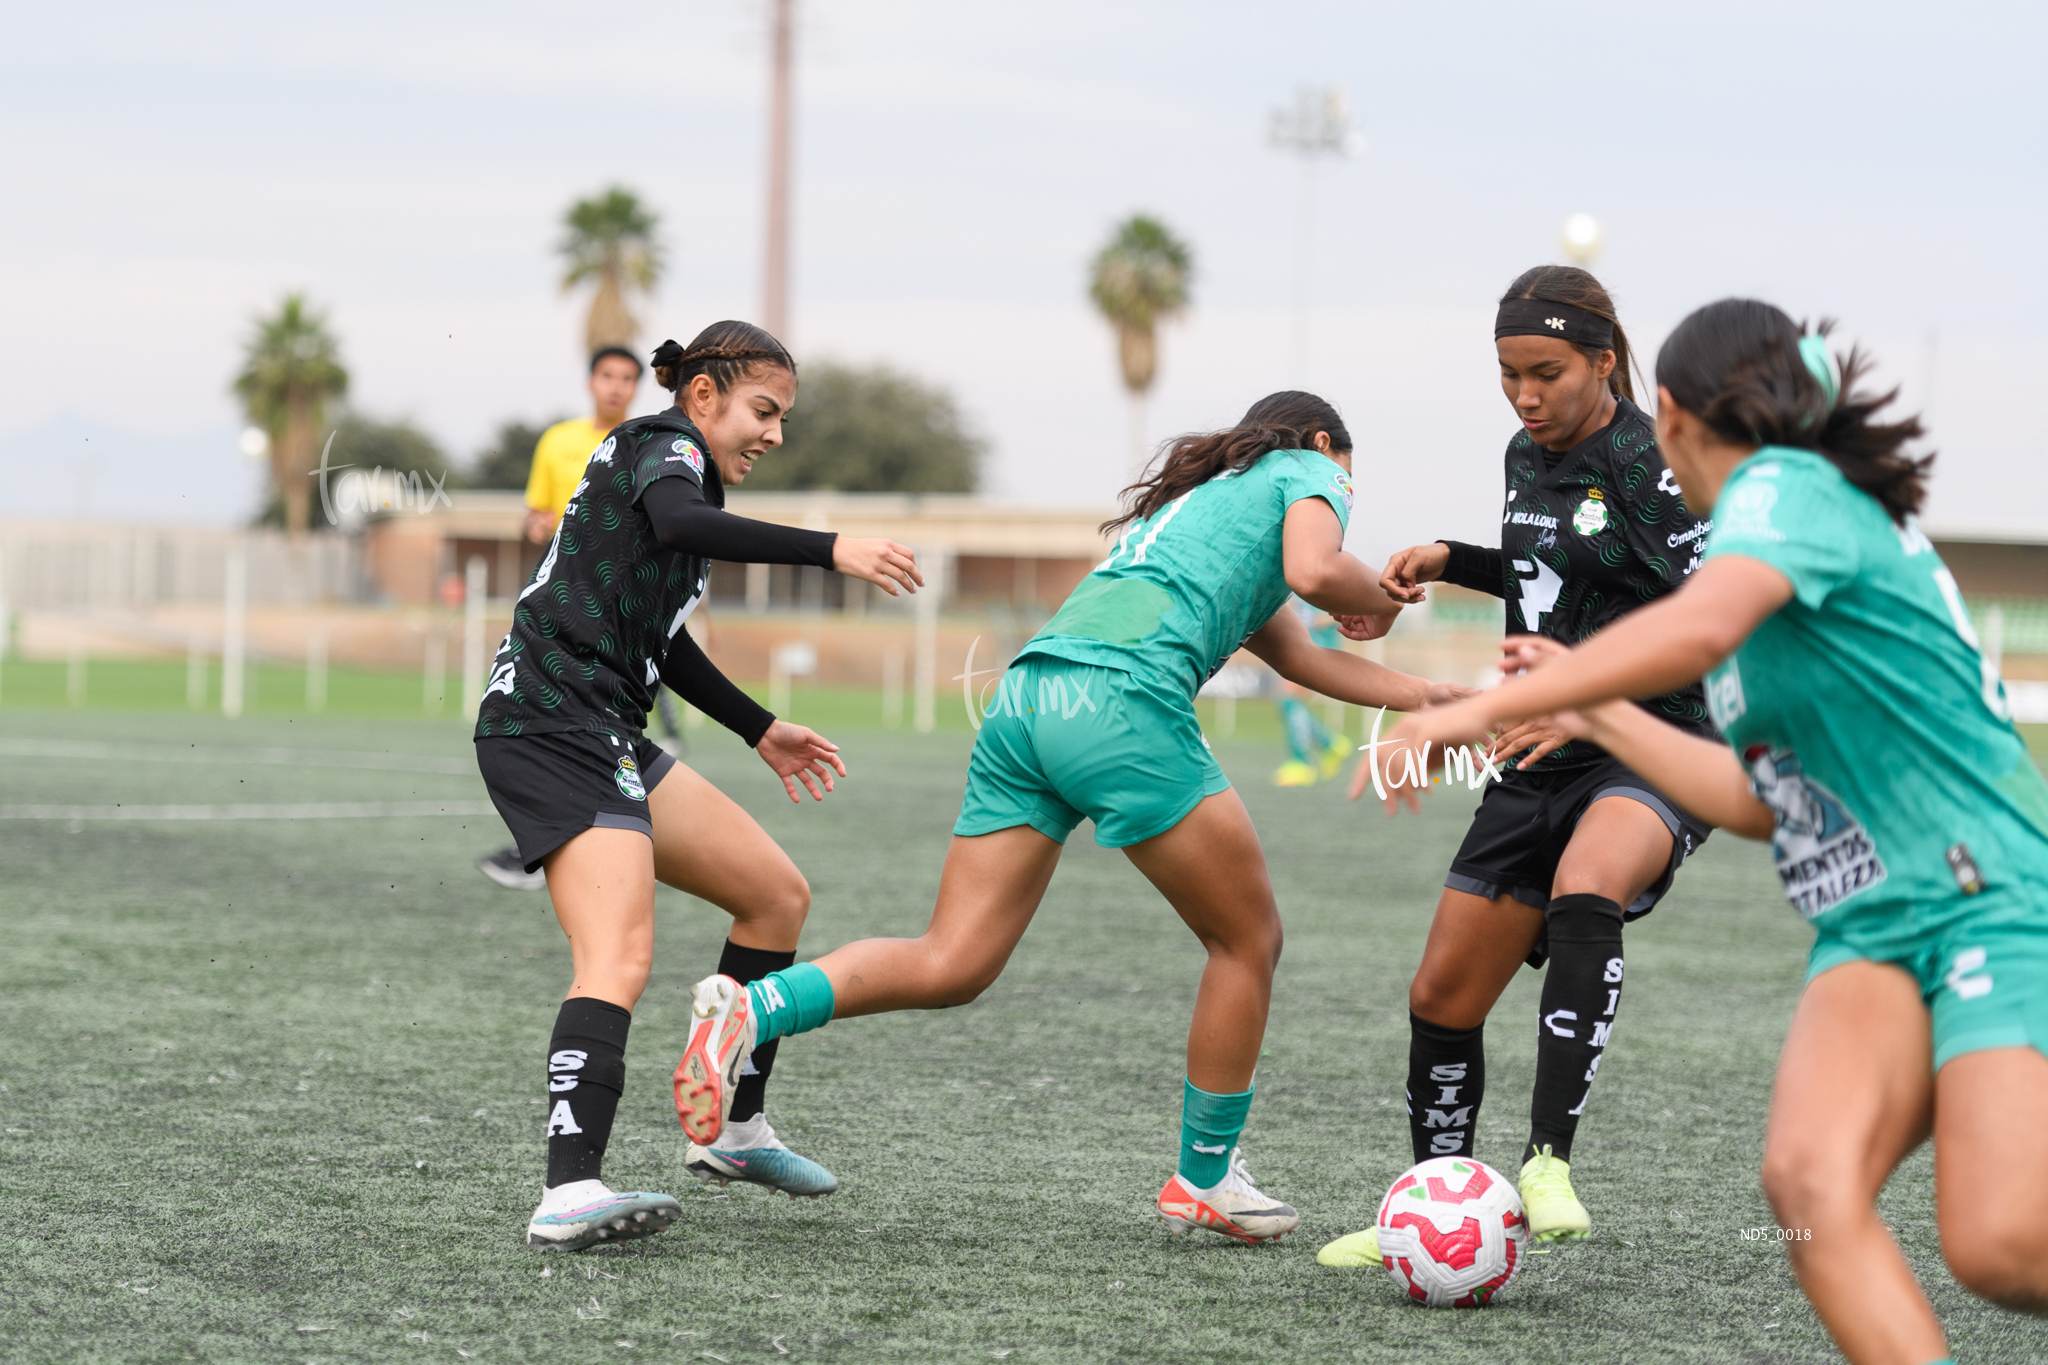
[
  {"x": 727, "y": 351},
  {"x": 1737, "y": 366},
  {"x": 1568, "y": 284},
  {"x": 1288, "y": 420}
]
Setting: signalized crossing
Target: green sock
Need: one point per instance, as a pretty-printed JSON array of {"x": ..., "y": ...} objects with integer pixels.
[
  {"x": 1299, "y": 724},
  {"x": 1209, "y": 1125},
  {"x": 794, "y": 1000}
]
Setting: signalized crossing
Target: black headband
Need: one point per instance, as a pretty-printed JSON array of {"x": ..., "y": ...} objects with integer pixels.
[{"x": 1542, "y": 318}]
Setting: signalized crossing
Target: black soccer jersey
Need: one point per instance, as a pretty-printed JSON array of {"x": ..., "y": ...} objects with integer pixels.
[
  {"x": 1588, "y": 539},
  {"x": 590, "y": 631}
]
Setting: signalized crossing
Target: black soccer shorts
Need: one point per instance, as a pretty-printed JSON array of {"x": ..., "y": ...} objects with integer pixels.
[
  {"x": 550, "y": 788},
  {"x": 1524, "y": 821}
]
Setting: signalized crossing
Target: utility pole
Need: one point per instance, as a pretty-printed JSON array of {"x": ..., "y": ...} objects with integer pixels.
[
  {"x": 1318, "y": 125},
  {"x": 775, "y": 285}
]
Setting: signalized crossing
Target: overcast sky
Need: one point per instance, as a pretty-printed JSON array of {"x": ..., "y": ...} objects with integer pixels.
[{"x": 171, "y": 171}]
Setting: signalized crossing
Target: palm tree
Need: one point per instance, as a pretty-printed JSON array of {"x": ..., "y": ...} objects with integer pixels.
[
  {"x": 291, "y": 371},
  {"x": 611, "y": 240},
  {"x": 1137, "y": 281}
]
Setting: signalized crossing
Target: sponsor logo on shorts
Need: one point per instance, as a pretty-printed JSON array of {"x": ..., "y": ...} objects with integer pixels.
[
  {"x": 1967, "y": 977},
  {"x": 628, "y": 779}
]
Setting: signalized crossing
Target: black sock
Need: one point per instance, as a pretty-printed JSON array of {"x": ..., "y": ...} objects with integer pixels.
[
  {"x": 745, "y": 965},
  {"x": 586, "y": 1076},
  {"x": 1446, "y": 1081},
  {"x": 1580, "y": 994}
]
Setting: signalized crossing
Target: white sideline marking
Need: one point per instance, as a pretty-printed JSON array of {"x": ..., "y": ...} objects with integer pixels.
[
  {"x": 178, "y": 753},
  {"x": 314, "y": 810}
]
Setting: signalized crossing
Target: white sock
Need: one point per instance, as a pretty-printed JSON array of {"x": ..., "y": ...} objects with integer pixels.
[
  {"x": 741, "y": 1134},
  {"x": 575, "y": 1194}
]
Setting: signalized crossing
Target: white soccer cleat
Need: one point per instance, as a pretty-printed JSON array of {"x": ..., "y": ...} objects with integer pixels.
[
  {"x": 1235, "y": 1208},
  {"x": 750, "y": 1153},
  {"x": 588, "y": 1213},
  {"x": 721, "y": 1040}
]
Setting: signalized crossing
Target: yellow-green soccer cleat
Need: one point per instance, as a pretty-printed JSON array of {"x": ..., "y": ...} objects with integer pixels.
[
  {"x": 1554, "y": 1212},
  {"x": 1359, "y": 1251},
  {"x": 1294, "y": 773},
  {"x": 1332, "y": 759}
]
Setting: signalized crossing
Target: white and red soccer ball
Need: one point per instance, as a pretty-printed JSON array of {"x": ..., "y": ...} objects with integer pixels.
[{"x": 1452, "y": 1233}]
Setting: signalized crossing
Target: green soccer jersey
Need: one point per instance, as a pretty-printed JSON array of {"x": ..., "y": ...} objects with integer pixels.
[
  {"x": 1867, "y": 717},
  {"x": 1186, "y": 585}
]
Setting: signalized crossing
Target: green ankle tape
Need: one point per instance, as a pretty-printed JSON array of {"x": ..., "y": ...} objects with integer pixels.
[
  {"x": 1209, "y": 1128},
  {"x": 796, "y": 999}
]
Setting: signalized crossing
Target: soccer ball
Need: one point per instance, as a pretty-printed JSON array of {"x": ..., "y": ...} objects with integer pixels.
[{"x": 1452, "y": 1233}]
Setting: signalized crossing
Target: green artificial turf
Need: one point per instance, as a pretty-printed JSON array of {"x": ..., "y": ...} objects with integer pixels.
[{"x": 271, "y": 1091}]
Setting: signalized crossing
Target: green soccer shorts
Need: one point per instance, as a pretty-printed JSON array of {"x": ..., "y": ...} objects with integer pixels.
[
  {"x": 1984, "y": 976},
  {"x": 1063, "y": 742}
]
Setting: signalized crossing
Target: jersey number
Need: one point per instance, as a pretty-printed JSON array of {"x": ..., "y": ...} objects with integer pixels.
[{"x": 1993, "y": 686}]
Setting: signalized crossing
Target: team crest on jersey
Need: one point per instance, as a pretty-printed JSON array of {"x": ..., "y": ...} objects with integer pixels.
[
  {"x": 1591, "y": 517},
  {"x": 628, "y": 778},
  {"x": 1341, "y": 486},
  {"x": 1824, "y": 854},
  {"x": 603, "y": 454},
  {"x": 686, "y": 450}
]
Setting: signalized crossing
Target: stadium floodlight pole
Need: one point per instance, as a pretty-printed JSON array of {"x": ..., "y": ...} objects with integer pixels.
[
  {"x": 775, "y": 282},
  {"x": 1319, "y": 124}
]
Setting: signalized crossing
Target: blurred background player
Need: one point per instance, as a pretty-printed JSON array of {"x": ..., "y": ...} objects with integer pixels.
[
  {"x": 559, "y": 458},
  {"x": 1870, "y": 740},
  {"x": 1316, "y": 752},
  {"x": 1570, "y": 843}
]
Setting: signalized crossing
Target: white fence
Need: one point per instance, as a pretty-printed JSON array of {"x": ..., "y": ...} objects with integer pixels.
[{"x": 48, "y": 566}]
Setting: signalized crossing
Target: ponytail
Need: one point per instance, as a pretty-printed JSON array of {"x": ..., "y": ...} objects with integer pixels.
[
  {"x": 1567, "y": 284},
  {"x": 727, "y": 351},
  {"x": 1280, "y": 421},
  {"x": 1755, "y": 378}
]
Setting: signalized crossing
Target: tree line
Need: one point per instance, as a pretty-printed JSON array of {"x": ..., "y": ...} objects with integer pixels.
[{"x": 863, "y": 429}]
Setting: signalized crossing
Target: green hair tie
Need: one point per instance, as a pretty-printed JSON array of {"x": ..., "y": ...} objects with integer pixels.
[{"x": 1813, "y": 349}]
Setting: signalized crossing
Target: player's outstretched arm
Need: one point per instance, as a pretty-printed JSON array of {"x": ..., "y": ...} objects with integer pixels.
[
  {"x": 884, "y": 563},
  {"x": 793, "y": 752},
  {"x": 1702, "y": 775},
  {"x": 802, "y": 755},
  {"x": 1318, "y": 569},
  {"x": 1285, "y": 645},
  {"x": 682, "y": 520},
  {"x": 1673, "y": 641}
]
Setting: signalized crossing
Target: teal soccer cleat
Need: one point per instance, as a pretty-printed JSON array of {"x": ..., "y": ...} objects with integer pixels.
[
  {"x": 574, "y": 1217},
  {"x": 753, "y": 1155}
]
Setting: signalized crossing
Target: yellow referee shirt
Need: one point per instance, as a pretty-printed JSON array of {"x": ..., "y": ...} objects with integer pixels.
[{"x": 558, "y": 460}]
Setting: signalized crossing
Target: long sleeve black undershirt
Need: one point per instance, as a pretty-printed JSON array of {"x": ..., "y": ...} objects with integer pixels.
[
  {"x": 691, "y": 675},
  {"x": 684, "y": 521},
  {"x": 1476, "y": 567}
]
